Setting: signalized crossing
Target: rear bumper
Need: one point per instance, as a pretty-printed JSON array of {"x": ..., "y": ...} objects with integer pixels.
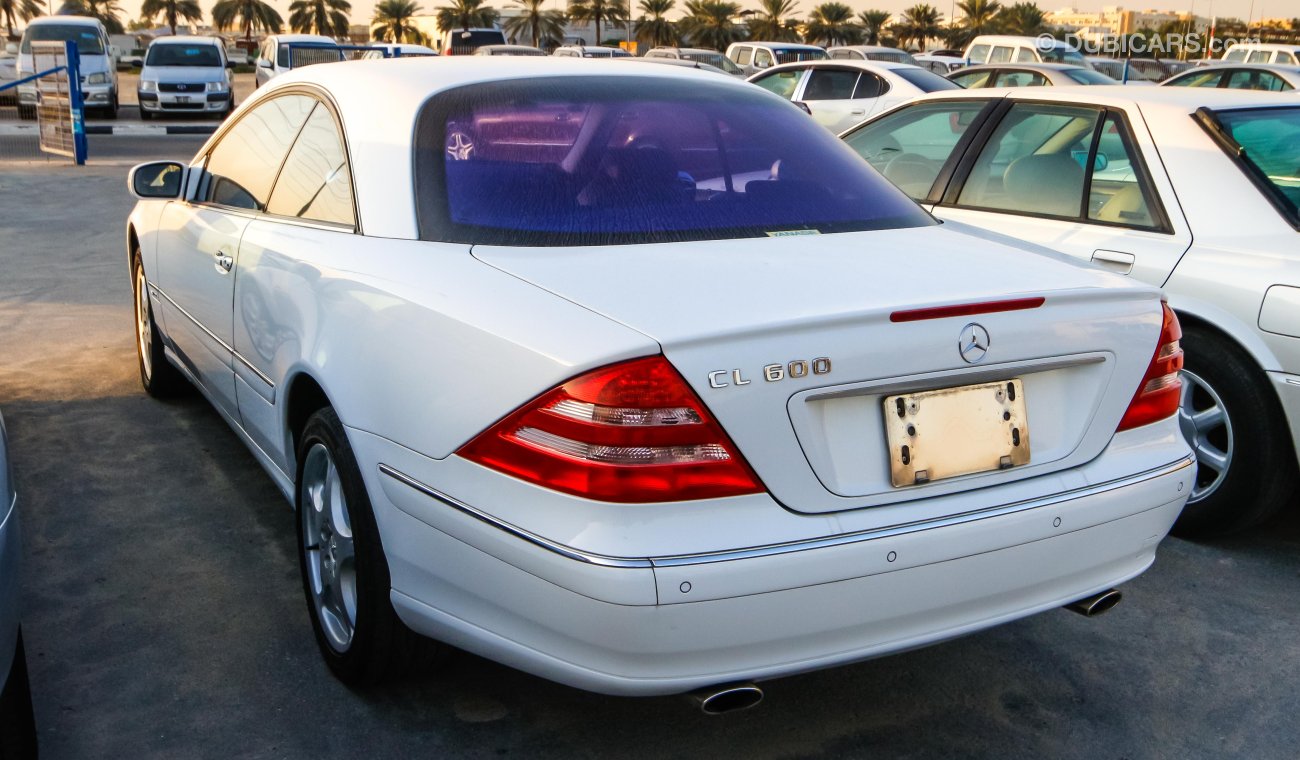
[{"x": 646, "y": 626}]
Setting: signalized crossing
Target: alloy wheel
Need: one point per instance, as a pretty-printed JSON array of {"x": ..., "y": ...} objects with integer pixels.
[
  {"x": 1208, "y": 429},
  {"x": 328, "y": 548},
  {"x": 143, "y": 323}
]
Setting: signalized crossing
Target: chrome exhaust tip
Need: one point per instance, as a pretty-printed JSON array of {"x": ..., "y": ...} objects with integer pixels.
[
  {"x": 1096, "y": 605},
  {"x": 727, "y": 698}
]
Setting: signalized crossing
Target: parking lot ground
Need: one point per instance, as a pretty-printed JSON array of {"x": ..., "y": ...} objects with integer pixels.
[{"x": 164, "y": 617}]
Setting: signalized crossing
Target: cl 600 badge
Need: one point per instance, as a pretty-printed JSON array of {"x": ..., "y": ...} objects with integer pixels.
[{"x": 772, "y": 373}]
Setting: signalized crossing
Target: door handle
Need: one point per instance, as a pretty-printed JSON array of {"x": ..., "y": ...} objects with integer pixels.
[
  {"x": 1115, "y": 261},
  {"x": 857, "y": 112},
  {"x": 224, "y": 262}
]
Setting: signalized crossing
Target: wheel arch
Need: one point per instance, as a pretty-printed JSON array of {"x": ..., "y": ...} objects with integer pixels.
[
  {"x": 132, "y": 243},
  {"x": 304, "y": 396},
  {"x": 1208, "y": 317}
]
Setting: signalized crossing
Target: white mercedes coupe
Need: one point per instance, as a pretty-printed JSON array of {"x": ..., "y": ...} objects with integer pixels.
[{"x": 639, "y": 380}]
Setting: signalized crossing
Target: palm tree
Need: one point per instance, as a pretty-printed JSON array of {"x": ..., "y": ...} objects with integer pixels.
[
  {"x": 327, "y": 17},
  {"x": 709, "y": 23},
  {"x": 535, "y": 22},
  {"x": 465, "y": 14},
  {"x": 873, "y": 23},
  {"x": 832, "y": 24},
  {"x": 249, "y": 15},
  {"x": 171, "y": 11},
  {"x": 598, "y": 11},
  {"x": 919, "y": 23},
  {"x": 1023, "y": 19},
  {"x": 392, "y": 21},
  {"x": 978, "y": 17},
  {"x": 774, "y": 21},
  {"x": 13, "y": 10},
  {"x": 654, "y": 28},
  {"x": 105, "y": 10}
]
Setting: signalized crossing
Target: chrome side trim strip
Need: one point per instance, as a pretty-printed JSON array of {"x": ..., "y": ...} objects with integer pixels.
[
  {"x": 517, "y": 532},
  {"x": 793, "y": 546},
  {"x": 260, "y": 375}
]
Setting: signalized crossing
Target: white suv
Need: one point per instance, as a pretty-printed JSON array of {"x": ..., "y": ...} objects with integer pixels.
[
  {"x": 185, "y": 75},
  {"x": 98, "y": 74}
]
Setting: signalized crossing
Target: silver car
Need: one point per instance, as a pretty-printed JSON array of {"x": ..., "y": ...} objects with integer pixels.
[
  {"x": 17, "y": 727},
  {"x": 189, "y": 75}
]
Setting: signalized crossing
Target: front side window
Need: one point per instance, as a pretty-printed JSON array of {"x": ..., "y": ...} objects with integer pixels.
[
  {"x": 1285, "y": 57},
  {"x": 1197, "y": 79},
  {"x": 973, "y": 80},
  {"x": 611, "y": 160},
  {"x": 979, "y": 54},
  {"x": 242, "y": 166},
  {"x": 1034, "y": 162},
  {"x": 282, "y": 56},
  {"x": 830, "y": 84},
  {"x": 315, "y": 182},
  {"x": 1000, "y": 54},
  {"x": 762, "y": 58},
  {"x": 910, "y": 146},
  {"x": 1248, "y": 79},
  {"x": 1025, "y": 55},
  {"x": 1237, "y": 55},
  {"x": 744, "y": 55},
  {"x": 183, "y": 55},
  {"x": 1259, "y": 56},
  {"x": 783, "y": 83},
  {"x": 1265, "y": 143},
  {"x": 1021, "y": 79}
]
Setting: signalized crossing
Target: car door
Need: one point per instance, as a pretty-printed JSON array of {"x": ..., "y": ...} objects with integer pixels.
[
  {"x": 1075, "y": 178},
  {"x": 198, "y": 240}
]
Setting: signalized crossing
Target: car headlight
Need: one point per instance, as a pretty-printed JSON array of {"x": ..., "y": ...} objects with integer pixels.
[
  {"x": 148, "y": 85},
  {"x": 99, "y": 78},
  {"x": 216, "y": 86}
]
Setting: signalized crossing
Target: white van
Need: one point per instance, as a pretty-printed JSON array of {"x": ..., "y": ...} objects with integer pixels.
[
  {"x": 98, "y": 74},
  {"x": 1262, "y": 52},
  {"x": 273, "y": 57},
  {"x": 1005, "y": 48},
  {"x": 468, "y": 41}
]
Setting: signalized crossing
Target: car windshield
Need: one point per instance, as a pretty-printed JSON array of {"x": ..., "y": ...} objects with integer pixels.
[
  {"x": 87, "y": 37},
  {"x": 714, "y": 59},
  {"x": 926, "y": 81},
  {"x": 1062, "y": 54},
  {"x": 618, "y": 160},
  {"x": 1269, "y": 139},
  {"x": 183, "y": 55},
  {"x": 1088, "y": 76},
  {"x": 784, "y": 55}
]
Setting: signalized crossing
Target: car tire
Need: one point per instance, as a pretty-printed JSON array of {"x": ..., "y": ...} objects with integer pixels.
[
  {"x": 344, "y": 571},
  {"x": 17, "y": 720},
  {"x": 110, "y": 113},
  {"x": 145, "y": 115},
  {"x": 159, "y": 378},
  {"x": 1246, "y": 466}
]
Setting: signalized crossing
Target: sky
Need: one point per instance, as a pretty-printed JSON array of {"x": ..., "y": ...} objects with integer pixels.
[{"x": 1256, "y": 9}]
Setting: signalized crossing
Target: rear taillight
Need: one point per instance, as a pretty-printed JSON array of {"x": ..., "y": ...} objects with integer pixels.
[
  {"x": 1157, "y": 397},
  {"x": 630, "y": 432}
]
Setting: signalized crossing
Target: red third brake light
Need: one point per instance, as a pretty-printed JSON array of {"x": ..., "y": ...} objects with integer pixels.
[
  {"x": 629, "y": 432},
  {"x": 1158, "y": 395}
]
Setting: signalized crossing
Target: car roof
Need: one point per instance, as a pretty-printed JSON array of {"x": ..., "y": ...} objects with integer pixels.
[
  {"x": 1290, "y": 68},
  {"x": 786, "y": 45},
  {"x": 868, "y": 48},
  {"x": 1030, "y": 66},
  {"x": 72, "y": 20},
  {"x": 841, "y": 63},
  {"x": 303, "y": 38},
  {"x": 186, "y": 39},
  {"x": 1182, "y": 99}
]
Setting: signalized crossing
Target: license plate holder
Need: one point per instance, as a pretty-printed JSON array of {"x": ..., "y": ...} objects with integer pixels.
[
  {"x": 182, "y": 98},
  {"x": 962, "y": 430}
]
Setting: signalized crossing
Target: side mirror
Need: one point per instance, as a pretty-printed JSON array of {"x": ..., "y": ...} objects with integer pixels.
[
  {"x": 157, "y": 180},
  {"x": 263, "y": 63}
]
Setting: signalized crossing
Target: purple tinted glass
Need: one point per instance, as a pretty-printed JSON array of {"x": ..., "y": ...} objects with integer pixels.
[{"x": 574, "y": 161}]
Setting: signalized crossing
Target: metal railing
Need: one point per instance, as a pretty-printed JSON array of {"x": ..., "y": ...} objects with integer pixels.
[{"x": 56, "y": 101}]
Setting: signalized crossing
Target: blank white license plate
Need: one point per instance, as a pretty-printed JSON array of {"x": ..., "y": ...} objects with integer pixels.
[
  {"x": 956, "y": 431},
  {"x": 182, "y": 98}
]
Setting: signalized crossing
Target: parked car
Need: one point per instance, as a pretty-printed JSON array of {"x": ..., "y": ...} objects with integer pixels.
[
  {"x": 397, "y": 50},
  {"x": 706, "y": 427},
  {"x": 186, "y": 75},
  {"x": 754, "y": 56},
  {"x": 590, "y": 51},
  {"x": 679, "y": 62},
  {"x": 840, "y": 94},
  {"x": 284, "y": 52},
  {"x": 711, "y": 58},
  {"x": 1256, "y": 76},
  {"x": 1028, "y": 75},
  {"x": 98, "y": 74},
  {"x": 1192, "y": 190},
  {"x": 468, "y": 41},
  {"x": 1262, "y": 52},
  {"x": 942, "y": 65},
  {"x": 870, "y": 53},
  {"x": 17, "y": 723},
  {"x": 1003, "y": 48},
  {"x": 509, "y": 50},
  {"x": 8, "y": 74}
]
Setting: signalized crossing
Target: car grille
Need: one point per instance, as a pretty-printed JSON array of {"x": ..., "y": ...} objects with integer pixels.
[{"x": 181, "y": 87}]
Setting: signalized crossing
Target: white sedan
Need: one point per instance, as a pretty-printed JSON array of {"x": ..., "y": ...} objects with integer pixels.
[
  {"x": 843, "y": 92},
  {"x": 634, "y": 378},
  {"x": 1195, "y": 190}
]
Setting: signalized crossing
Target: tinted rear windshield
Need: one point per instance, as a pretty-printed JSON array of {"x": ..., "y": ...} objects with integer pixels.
[
  {"x": 87, "y": 37},
  {"x": 1269, "y": 139},
  {"x": 183, "y": 55},
  {"x": 637, "y": 159},
  {"x": 713, "y": 59},
  {"x": 928, "y": 81},
  {"x": 1060, "y": 54},
  {"x": 794, "y": 56},
  {"x": 463, "y": 42}
]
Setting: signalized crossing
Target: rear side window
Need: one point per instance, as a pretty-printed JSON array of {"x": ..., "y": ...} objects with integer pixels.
[
  {"x": 870, "y": 86},
  {"x": 1021, "y": 79},
  {"x": 315, "y": 182},
  {"x": 611, "y": 160},
  {"x": 1025, "y": 55},
  {"x": 830, "y": 84},
  {"x": 242, "y": 166},
  {"x": 910, "y": 146},
  {"x": 1248, "y": 79},
  {"x": 973, "y": 80},
  {"x": 744, "y": 55},
  {"x": 1198, "y": 79}
]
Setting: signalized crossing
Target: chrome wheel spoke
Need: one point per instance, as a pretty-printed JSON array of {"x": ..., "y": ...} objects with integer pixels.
[
  {"x": 329, "y": 548},
  {"x": 1209, "y": 419},
  {"x": 1207, "y": 426},
  {"x": 1208, "y": 456}
]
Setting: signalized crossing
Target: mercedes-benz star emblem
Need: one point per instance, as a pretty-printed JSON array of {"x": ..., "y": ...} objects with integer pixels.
[{"x": 973, "y": 342}]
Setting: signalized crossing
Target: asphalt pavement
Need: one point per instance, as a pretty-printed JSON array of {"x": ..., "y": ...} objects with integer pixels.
[{"x": 164, "y": 616}]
